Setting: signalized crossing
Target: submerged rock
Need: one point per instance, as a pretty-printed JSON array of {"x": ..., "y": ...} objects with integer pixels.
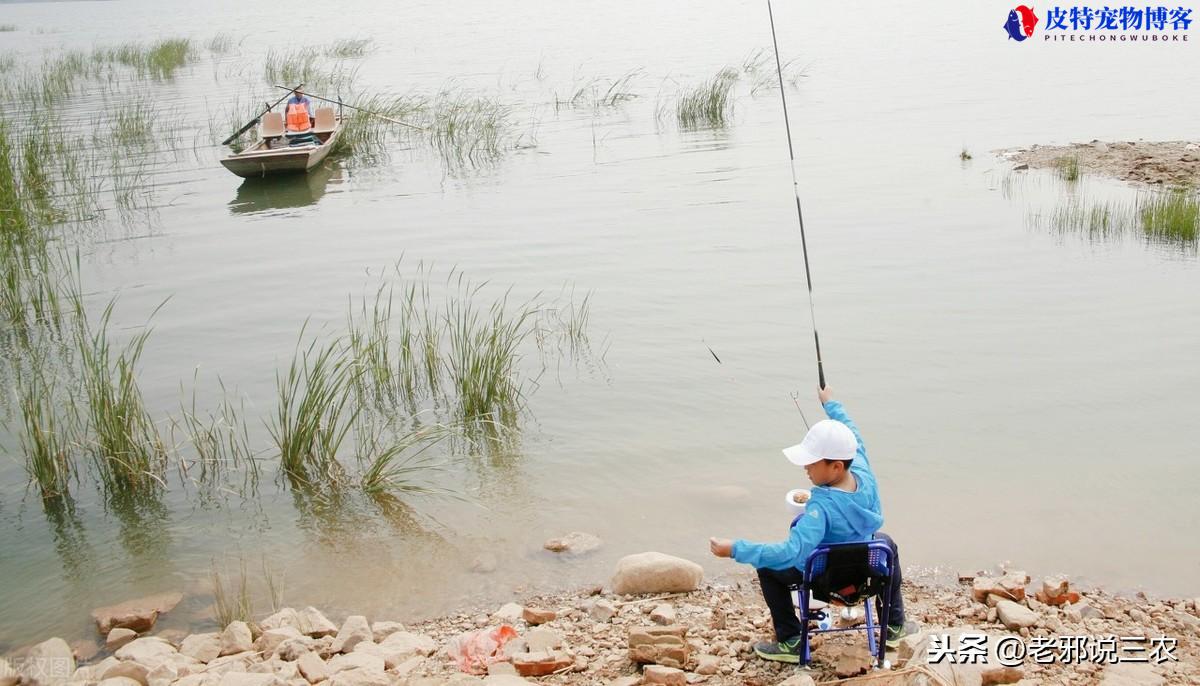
[
  {"x": 574, "y": 543},
  {"x": 139, "y": 614}
]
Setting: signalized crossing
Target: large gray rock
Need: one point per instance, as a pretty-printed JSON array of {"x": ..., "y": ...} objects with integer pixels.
[
  {"x": 50, "y": 662},
  {"x": 655, "y": 573},
  {"x": 202, "y": 647},
  {"x": 353, "y": 630},
  {"x": 236, "y": 638},
  {"x": 1015, "y": 616},
  {"x": 139, "y": 614}
]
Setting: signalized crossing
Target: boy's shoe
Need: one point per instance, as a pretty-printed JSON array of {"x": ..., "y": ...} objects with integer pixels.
[
  {"x": 782, "y": 651},
  {"x": 895, "y": 633}
]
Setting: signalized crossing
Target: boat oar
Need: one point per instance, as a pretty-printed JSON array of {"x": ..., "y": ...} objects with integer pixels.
[
  {"x": 255, "y": 120},
  {"x": 360, "y": 109}
]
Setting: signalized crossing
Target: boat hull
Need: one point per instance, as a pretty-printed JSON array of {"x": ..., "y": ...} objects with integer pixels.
[{"x": 257, "y": 162}]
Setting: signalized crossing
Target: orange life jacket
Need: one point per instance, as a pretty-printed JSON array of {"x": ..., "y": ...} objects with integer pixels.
[{"x": 297, "y": 117}]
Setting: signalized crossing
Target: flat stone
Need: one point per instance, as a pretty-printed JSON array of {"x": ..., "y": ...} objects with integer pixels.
[
  {"x": 315, "y": 624},
  {"x": 49, "y": 662},
  {"x": 509, "y": 612},
  {"x": 139, "y": 614},
  {"x": 284, "y": 617},
  {"x": 249, "y": 679},
  {"x": 84, "y": 649},
  {"x": 356, "y": 660},
  {"x": 127, "y": 670},
  {"x": 574, "y": 543},
  {"x": 232, "y": 663},
  {"x": 852, "y": 661},
  {"x": 405, "y": 642},
  {"x": 118, "y": 637},
  {"x": 360, "y": 677},
  {"x": 798, "y": 680},
  {"x": 501, "y": 669},
  {"x": 381, "y": 630},
  {"x": 202, "y": 647},
  {"x": 1001, "y": 675},
  {"x": 148, "y": 651},
  {"x": 353, "y": 630},
  {"x": 119, "y": 681},
  {"x": 271, "y": 639},
  {"x": 534, "y": 617},
  {"x": 543, "y": 639},
  {"x": 312, "y": 667},
  {"x": 236, "y": 638},
  {"x": 602, "y": 611},
  {"x": 663, "y": 614},
  {"x": 541, "y": 663},
  {"x": 707, "y": 664},
  {"x": 1130, "y": 674},
  {"x": 665, "y": 676},
  {"x": 654, "y": 572},
  {"x": 1015, "y": 616}
]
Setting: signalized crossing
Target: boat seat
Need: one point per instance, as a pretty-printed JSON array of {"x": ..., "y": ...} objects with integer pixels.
[
  {"x": 326, "y": 122},
  {"x": 271, "y": 125}
]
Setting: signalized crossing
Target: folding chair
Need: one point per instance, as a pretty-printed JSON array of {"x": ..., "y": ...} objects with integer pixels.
[{"x": 847, "y": 574}]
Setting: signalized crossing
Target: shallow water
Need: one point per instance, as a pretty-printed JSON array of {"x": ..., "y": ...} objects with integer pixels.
[{"x": 1025, "y": 396}]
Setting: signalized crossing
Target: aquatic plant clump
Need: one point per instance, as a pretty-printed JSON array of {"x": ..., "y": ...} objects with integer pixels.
[
  {"x": 1068, "y": 168},
  {"x": 708, "y": 105},
  {"x": 1172, "y": 215}
]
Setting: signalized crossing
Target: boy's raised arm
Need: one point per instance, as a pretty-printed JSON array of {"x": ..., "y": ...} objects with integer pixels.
[{"x": 834, "y": 410}]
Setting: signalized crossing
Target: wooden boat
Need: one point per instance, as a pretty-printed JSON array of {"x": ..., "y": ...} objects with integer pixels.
[{"x": 275, "y": 154}]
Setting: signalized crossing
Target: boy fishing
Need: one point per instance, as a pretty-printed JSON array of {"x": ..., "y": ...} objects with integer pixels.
[{"x": 844, "y": 507}]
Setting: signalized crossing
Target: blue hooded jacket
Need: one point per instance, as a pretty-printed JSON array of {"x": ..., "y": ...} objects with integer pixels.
[{"x": 831, "y": 515}]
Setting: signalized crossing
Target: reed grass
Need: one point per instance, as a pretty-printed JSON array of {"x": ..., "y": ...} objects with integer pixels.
[
  {"x": 133, "y": 124},
  {"x": 46, "y": 436},
  {"x": 220, "y": 44},
  {"x": 364, "y": 137},
  {"x": 349, "y": 48},
  {"x": 1172, "y": 216},
  {"x": 469, "y": 129},
  {"x": 221, "y": 441},
  {"x": 125, "y": 443},
  {"x": 403, "y": 464},
  {"x": 7, "y": 28},
  {"x": 484, "y": 352},
  {"x": 158, "y": 60},
  {"x": 308, "y": 66},
  {"x": 708, "y": 105},
  {"x": 232, "y": 604},
  {"x": 274, "y": 580},
  {"x": 1068, "y": 168},
  {"x": 314, "y": 414}
]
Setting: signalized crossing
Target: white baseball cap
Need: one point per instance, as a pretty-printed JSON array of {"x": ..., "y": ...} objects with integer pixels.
[{"x": 828, "y": 439}]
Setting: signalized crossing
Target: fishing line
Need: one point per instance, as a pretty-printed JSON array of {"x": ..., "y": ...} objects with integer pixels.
[{"x": 796, "y": 189}]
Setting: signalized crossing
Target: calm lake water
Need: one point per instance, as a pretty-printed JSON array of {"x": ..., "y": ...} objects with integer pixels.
[{"x": 1025, "y": 396}]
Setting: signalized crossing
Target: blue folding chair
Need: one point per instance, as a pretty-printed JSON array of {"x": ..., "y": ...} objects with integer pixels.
[{"x": 847, "y": 574}]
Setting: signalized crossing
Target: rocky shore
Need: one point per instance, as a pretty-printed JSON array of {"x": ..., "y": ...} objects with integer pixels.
[
  {"x": 1161, "y": 163},
  {"x": 657, "y": 621}
]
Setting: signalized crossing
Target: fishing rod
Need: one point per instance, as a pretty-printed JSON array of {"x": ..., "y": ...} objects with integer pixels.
[
  {"x": 255, "y": 120},
  {"x": 812, "y": 311},
  {"x": 360, "y": 109}
]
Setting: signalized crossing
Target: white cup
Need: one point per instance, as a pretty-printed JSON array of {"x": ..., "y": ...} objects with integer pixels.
[{"x": 796, "y": 509}]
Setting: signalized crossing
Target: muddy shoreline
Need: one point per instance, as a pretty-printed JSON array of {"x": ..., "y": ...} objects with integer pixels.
[
  {"x": 587, "y": 636},
  {"x": 1164, "y": 164}
]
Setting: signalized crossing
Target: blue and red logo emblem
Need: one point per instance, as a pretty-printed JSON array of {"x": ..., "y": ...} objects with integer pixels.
[{"x": 1021, "y": 21}]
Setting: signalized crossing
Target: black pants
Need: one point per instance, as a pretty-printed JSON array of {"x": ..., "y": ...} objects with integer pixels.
[{"x": 775, "y": 590}]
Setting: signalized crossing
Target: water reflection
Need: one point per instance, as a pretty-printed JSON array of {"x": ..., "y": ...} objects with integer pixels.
[{"x": 287, "y": 191}]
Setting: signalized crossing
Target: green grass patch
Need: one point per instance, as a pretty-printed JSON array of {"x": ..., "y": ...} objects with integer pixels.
[
  {"x": 1068, "y": 168},
  {"x": 708, "y": 105},
  {"x": 1172, "y": 216}
]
